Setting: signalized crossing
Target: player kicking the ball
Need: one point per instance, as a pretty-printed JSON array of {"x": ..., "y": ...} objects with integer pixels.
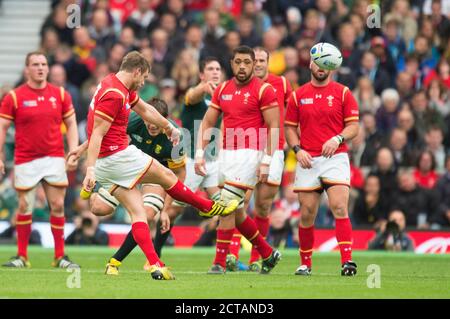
[
  {"x": 119, "y": 167},
  {"x": 327, "y": 115},
  {"x": 152, "y": 141},
  {"x": 250, "y": 110}
]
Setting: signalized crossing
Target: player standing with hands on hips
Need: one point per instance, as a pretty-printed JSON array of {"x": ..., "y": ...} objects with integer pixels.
[{"x": 326, "y": 113}]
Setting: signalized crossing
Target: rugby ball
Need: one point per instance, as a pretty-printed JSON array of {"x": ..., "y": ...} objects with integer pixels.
[{"x": 326, "y": 56}]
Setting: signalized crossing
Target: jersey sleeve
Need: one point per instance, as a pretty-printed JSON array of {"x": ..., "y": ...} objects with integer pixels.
[
  {"x": 67, "y": 105},
  {"x": 108, "y": 105},
  {"x": 267, "y": 97},
  {"x": 215, "y": 100},
  {"x": 8, "y": 106},
  {"x": 134, "y": 98},
  {"x": 292, "y": 111},
  {"x": 350, "y": 106},
  {"x": 135, "y": 123}
]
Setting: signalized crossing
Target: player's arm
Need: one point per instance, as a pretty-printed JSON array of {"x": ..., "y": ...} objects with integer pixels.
[
  {"x": 7, "y": 115},
  {"x": 292, "y": 132},
  {"x": 99, "y": 130},
  {"x": 72, "y": 137},
  {"x": 4, "y": 125},
  {"x": 351, "y": 124},
  {"x": 74, "y": 155},
  {"x": 204, "y": 137},
  {"x": 150, "y": 114},
  {"x": 272, "y": 119},
  {"x": 195, "y": 95}
]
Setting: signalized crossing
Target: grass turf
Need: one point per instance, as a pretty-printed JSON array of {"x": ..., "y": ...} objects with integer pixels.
[{"x": 403, "y": 275}]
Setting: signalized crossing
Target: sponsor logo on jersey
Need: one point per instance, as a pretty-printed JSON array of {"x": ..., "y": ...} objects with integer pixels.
[
  {"x": 113, "y": 148},
  {"x": 30, "y": 103},
  {"x": 137, "y": 138},
  {"x": 227, "y": 97},
  {"x": 318, "y": 96},
  {"x": 148, "y": 142},
  {"x": 307, "y": 101},
  {"x": 41, "y": 98}
]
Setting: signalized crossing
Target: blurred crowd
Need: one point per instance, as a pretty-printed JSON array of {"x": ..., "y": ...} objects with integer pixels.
[{"x": 396, "y": 60}]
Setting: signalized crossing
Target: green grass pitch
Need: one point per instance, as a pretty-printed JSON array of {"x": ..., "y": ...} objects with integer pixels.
[{"x": 402, "y": 275}]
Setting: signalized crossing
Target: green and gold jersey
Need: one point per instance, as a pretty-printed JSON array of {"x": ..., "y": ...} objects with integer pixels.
[
  {"x": 159, "y": 147},
  {"x": 191, "y": 117}
]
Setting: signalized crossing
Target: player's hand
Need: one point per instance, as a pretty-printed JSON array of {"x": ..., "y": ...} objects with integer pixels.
[
  {"x": 173, "y": 134},
  {"x": 165, "y": 222},
  {"x": 304, "y": 158},
  {"x": 200, "y": 166},
  {"x": 2, "y": 167},
  {"x": 263, "y": 172},
  {"x": 329, "y": 147},
  {"x": 89, "y": 179},
  {"x": 209, "y": 88},
  {"x": 72, "y": 161}
]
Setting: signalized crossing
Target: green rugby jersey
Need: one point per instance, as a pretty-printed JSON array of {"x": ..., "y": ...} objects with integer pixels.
[
  {"x": 159, "y": 147},
  {"x": 191, "y": 117}
]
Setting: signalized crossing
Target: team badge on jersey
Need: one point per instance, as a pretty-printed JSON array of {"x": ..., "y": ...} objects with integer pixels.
[
  {"x": 53, "y": 101},
  {"x": 330, "y": 100},
  {"x": 246, "y": 96},
  {"x": 158, "y": 149}
]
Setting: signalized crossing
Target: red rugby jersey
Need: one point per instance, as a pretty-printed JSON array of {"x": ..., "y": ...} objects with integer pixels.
[
  {"x": 321, "y": 113},
  {"x": 112, "y": 101},
  {"x": 283, "y": 90},
  {"x": 242, "y": 107},
  {"x": 37, "y": 115}
]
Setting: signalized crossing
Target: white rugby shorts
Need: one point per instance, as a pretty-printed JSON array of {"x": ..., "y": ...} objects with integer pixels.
[
  {"x": 50, "y": 169},
  {"x": 324, "y": 172}
]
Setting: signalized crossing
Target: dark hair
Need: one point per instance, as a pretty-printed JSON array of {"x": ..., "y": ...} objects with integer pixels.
[
  {"x": 433, "y": 160},
  {"x": 259, "y": 48},
  {"x": 30, "y": 54},
  {"x": 206, "y": 61},
  {"x": 160, "y": 106},
  {"x": 243, "y": 49},
  {"x": 134, "y": 60}
]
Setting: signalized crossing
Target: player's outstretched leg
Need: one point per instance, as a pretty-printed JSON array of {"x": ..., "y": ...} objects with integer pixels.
[{"x": 158, "y": 174}]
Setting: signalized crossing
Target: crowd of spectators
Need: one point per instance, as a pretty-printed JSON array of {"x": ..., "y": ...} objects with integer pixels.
[{"x": 398, "y": 68}]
